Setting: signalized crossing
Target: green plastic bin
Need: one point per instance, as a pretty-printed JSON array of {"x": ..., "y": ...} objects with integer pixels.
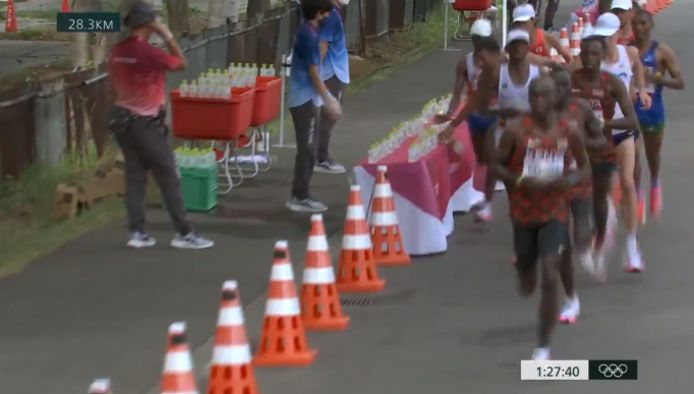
[{"x": 199, "y": 186}]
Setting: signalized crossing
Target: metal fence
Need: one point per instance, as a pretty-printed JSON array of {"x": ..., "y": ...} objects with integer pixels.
[{"x": 44, "y": 120}]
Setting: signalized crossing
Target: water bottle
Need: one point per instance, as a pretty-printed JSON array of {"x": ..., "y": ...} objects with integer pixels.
[
  {"x": 184, "y": 89},
  {"x": 194, "y": 90}
]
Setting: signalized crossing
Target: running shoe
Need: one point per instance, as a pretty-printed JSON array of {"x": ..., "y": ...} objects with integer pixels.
[
  {"x": 306, "y": 205},
  {"x": 586, "y": 260},
  {"x": 656, "y": 202},
  {"x": 191, "y": 241},
  {"x": 329, "y": 167},
  {"x": 570, "y": 310},
  {"x": 634, "y": 262},
  {"x": 484, "y": 214},
  {"x": 641, "y": 209},
  {"x": 140, "y": 240},
  {"x": 500, "y": 187},
  {"x": 541, "y": 353},
  {"x": 600, "y": 266}
]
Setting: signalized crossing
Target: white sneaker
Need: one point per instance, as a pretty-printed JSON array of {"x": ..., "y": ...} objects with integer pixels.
[
  {"x": 634, "y": 262},
  {"x": 191, "y": 241},
  {"x": 541, "y": 353},
  {"x": 570, "y": 311},
  {"x": 484, "y": 214},
  {"x": 140, "y": 240},
  {"x": 500, "y": 187},
  {"x": 586, "y": 260}
]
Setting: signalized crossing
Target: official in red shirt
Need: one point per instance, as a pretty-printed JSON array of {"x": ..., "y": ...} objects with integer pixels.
[{"x": 138, "y": 72}]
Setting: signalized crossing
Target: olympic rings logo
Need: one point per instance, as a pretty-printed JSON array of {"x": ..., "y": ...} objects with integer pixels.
[{"x": 613, "y": 370}]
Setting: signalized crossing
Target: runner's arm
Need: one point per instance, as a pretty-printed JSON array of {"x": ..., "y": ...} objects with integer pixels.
[
  {"x": 672, "y": 65},
  {"x": 628, "y": 122},
  {"x": 503, "y": 153},
  {"x": 553, "y": 42},
  {"x": 595, "y": 139},
  {"x": 639, "y": 77},
  {"x": 578, "y": 150},
  {"x": 460, "y": 80}
]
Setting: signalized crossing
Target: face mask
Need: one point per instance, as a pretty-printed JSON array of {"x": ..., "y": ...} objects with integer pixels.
[{"x": 343, "y": 2}]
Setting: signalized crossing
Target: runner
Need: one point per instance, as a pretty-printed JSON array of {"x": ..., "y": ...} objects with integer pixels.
[
  {"x": 532, "y": 160},
  {"x": 580, "y": 113},
  {"x": 467, "y": 71},
  {"x": 658, "y": 60},
  {"x": 624, "y": 11},
  {"x": 481, "y": 113},
  {"x": 603, "y": 91},
  {"x": 624, "y": 62},
  {"x": 540, "y": 42}
]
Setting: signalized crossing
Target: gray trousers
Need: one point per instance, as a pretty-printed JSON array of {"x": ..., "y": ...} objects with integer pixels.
[
  {"x": 325, "y": 126},
  {"x": 146, "y": 147},
  {"x": 305, "y": 119}
]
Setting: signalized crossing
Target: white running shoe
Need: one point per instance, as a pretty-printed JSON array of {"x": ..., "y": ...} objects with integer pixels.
[
  {"x": 484, "y": 214},
  {"x": 570, "y": 311},
  {"x": 586, "y": 260},
  {"x": 541, "y": 353},
  {"x": 500, "y": 187},
  {"x": 634, "y": 262},
  {"x": 139, "y": 240}
]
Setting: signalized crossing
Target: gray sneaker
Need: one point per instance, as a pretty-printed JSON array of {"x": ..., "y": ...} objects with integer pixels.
[
  {"x": 191, "y": 241},
  {"x": 306, "y": 205},
  {"x": 329, "y": 167},
  {"x": 140, "y": 240}
]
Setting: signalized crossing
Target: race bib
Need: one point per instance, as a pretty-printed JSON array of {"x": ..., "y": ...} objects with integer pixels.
[{"x": 542, "y": 164}]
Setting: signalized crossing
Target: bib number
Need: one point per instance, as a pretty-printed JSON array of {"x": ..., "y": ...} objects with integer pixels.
[{"x": 543, "y": 164}]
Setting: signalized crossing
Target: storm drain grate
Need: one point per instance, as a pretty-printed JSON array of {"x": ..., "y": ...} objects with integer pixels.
[{"x": 358, "y": 302}]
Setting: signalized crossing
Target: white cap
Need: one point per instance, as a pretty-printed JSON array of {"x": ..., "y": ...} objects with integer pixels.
[
  {"x": 606, "y": 25},
  {"x": 523, "y": 13},
  {"x": 482, "y": 28},
  {"x": 517, "y": 35},
  {"x": 621, "y": 5}
]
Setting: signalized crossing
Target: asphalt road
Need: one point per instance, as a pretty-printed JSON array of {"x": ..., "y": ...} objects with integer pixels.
[{"x": 449, "y": 323}]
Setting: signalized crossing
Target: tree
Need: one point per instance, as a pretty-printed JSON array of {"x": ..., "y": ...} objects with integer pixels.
[
  {"x": 177, "y": 10},
  {"x": 216, "y": 13}
]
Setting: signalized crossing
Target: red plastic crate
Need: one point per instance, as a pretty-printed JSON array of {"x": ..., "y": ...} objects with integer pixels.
[
  {"x": 212, "y": 118},
  {"x": 472, "y": 5},
  {"x": 268, "y": 98}
]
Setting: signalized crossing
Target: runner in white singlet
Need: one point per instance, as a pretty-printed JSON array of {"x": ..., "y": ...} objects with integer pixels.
[{"x": 624, "y": 62}]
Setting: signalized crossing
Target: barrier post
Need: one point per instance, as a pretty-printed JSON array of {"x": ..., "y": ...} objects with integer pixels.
[
  {"x": 447, "y": 4},
  {"x": 284, "y": 73}
]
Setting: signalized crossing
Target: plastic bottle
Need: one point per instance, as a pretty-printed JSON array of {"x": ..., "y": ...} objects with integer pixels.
[
  {"x": 194, "y": 90},
  {"x": 184, "y": 89}
]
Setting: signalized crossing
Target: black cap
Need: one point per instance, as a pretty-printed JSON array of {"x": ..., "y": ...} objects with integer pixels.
[{"x": 140, "y": 14}]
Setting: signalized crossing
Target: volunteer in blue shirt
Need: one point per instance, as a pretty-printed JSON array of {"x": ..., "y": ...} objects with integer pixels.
[
  {"x": 307, "y": 93},
  {"x": 335, "y": 74}
]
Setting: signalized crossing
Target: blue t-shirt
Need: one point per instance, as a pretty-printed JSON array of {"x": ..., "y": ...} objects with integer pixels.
[
  {"x": 336, "y": 61},
  {"x": 306, "y": 53}
]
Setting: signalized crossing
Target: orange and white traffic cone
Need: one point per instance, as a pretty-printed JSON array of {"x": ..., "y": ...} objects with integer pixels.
[
  {"x": 357, "y": 271},
  {"x": 65, "y": 6},
  {"x": 564, "y": 39},
  {"x": 178, "y": 377},
  {"x": 11, "y": 25},
  {"x": 575, "y": 41},
  {"x": 385, "y": 230},
  {"x": 320, "y": 301},
  {"x": 284, "y": 338},
  {"x": 100, "y": 386},
  {"x": 232, "y": 371}
]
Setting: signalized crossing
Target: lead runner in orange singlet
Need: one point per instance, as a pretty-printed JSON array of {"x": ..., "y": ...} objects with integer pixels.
[{"x": 533, "y": 161}]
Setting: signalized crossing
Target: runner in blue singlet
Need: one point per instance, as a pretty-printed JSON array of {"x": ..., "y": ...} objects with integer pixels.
[{"x": 662, "y": 71}]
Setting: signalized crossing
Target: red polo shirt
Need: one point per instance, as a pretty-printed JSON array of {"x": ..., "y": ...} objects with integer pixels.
[{"x": 138, "y": 74}]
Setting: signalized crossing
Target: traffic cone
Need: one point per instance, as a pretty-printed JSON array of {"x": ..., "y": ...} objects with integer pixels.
[
  {"x": 320, "y": 301},
  {"x": 385, "y": 230},
  {"x": 66, "y": 6},
  {"x": 11, "y": 25},
  {"x": 357, "y": 271},
  {"x": 284, "y": 339},
  {"x": 564, "y": 39},
  {"x": 232, "y": 371},
  {"x": 177, "y": 377},
  {"x": 100, "y": 386},
  {"x": 575, "y": 41}
]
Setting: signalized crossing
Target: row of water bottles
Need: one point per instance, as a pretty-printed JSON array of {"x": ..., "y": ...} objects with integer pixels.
[
  {"x": 219, "y": 83},
  {"x": 195, "y": 158}
]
